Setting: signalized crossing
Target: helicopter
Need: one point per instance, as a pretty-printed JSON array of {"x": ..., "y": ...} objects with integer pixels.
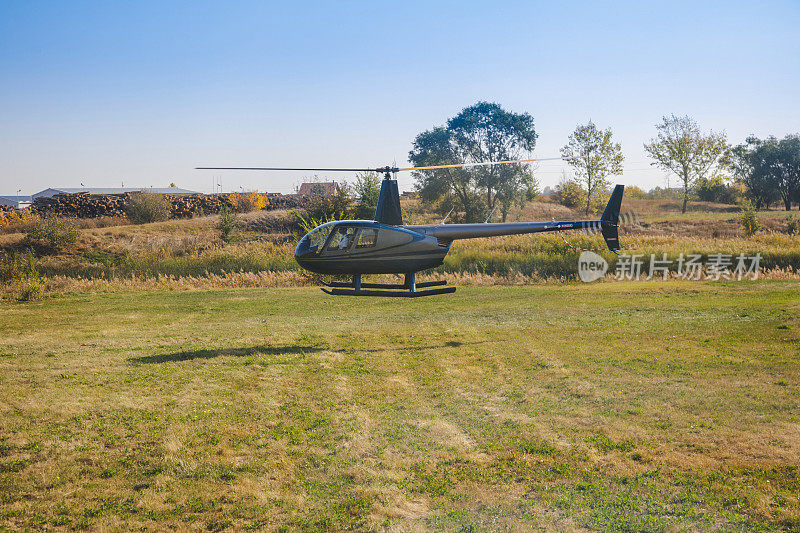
[{"x": 385, "y": 245}]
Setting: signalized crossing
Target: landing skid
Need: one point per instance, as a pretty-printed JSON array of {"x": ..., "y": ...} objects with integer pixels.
[
  {"x": 405, "y": 290},
  {"x": 396, "y": 294}
]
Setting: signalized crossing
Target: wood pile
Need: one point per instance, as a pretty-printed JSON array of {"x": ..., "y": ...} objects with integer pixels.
[
  {"x": 187, "y": 206},
  {"x": 84, "y": 205},
  {"x": 80, "y": 205},
  {"x": 282, "y": 201}
]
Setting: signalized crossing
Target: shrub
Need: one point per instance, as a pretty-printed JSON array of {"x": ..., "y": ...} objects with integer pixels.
[
  {"x": 367, "y": 189},
  {"x": 570, "y": 194},
  {"x": 333, "y": 206},
  {"x": 632, "y": 191},
  {"x": 715, "y": 190},
  {"x": 792, "y": 225},
  {"x": 228, "y": 224},
  {"x": 21, "y": 271},
  {"x": 599, "y": 201},
  {"x": 10, "y": 216},
  {"x": 53, "y": 233},
  {"x": 246, "y": 202},
  {"x": 145, "y": 207},
  {"x": 17, "y": 221},
  {"x": 29, "y": 290},
  {"x": 748, "y": 218},
  {"x": 661, "y": 193}
]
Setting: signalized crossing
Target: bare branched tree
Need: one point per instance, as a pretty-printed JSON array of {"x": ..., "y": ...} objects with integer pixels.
[
  {"x": 596, "y": 157},
  {"x": 682, "y": 148}
]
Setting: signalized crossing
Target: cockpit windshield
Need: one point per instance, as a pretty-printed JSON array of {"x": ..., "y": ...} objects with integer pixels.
[{"x": 314, "y": 240}]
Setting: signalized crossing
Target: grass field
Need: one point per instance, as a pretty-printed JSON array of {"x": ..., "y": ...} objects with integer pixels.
[{"x": 615, "y": 406}]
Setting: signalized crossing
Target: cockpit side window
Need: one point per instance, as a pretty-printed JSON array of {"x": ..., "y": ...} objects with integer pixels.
[
  {"x": 367, "y": 238},
  {"x": 342, "y": 238}
]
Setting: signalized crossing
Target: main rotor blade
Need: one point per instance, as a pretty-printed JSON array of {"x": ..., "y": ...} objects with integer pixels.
[
  {"x": 487, "y": 163},
  {"x": 388, "y": 169},
  {"x": 303, "y": 169}
]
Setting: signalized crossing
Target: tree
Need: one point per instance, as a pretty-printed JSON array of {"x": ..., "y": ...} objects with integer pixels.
[
  {"x": 779, "y": 161},
  {"x": 595, "y": 157},
  {"x": 323, "y": 205},
  {"x": 447, "y": 188},
  {"x": 758, "y": 187},
  {"x": 480, "y": 133},
  {"x": 683, "y": 149},
  {"x": 569, "y": 194},
  {"x": 516, "y": 186},
  {"x": 366, "y": 190},
  {"x": 769, "y": 169}
]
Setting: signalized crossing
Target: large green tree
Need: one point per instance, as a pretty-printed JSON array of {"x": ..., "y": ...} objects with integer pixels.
[
  {"x": 758, "y": 185},
  {"x": 594, "y": 156},
  {"x": 682, "y": 148},
  {"x": 769, "y": 169},
  {"x": 480, "y": 133},
  {"x": 779, "y": 162}
]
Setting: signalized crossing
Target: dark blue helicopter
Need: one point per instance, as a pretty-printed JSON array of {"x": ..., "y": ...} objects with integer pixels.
[{"x": 386, "y": 246}]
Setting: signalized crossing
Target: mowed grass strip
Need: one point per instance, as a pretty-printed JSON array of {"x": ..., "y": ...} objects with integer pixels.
[{"x": 615, "y": 406}]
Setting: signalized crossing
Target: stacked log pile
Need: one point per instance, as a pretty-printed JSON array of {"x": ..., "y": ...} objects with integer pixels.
[
  {"x": 282, "y": 201},
  {"x": 210, "y": 204},
  {"x": 187, "y": 206},
  {"x": 80, "y": 205},
  {"x": 84, "y": 205}
]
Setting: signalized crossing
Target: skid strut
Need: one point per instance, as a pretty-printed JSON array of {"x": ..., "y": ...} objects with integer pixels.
[{"x": 409, "y": 289}]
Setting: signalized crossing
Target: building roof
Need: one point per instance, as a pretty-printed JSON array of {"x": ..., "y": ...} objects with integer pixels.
[
  {"x": 16, "y": 198},
  {"x": 16, "y": 201},
  {"x": 111, "y": 190},
  {"x": 326, "y": 187}
]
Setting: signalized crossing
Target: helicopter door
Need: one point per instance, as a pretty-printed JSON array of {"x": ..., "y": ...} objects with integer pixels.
[{"x": 341, "y": 240}]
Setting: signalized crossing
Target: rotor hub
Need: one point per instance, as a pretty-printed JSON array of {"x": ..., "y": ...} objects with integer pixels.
[{"x": 387, "y": 171}]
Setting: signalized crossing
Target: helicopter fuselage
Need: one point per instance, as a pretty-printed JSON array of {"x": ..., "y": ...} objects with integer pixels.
[{"x": 368, "y": 247}]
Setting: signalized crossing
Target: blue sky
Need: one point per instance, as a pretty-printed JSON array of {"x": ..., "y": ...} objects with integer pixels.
[{"x": 141, "y": 92}]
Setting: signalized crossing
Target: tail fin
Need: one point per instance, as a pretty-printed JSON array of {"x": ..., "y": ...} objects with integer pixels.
[
  {"x": 609, "y": 222},
  {"x": 388, "y": 209}
]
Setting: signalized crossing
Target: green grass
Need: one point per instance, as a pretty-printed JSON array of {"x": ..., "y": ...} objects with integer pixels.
[{"x": 615, "y": 406}]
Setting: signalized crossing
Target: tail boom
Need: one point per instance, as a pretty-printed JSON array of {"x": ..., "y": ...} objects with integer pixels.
[{"x": 607, "y": 225}]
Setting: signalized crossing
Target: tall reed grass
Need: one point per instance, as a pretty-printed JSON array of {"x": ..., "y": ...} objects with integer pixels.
[
  {"x": 505, "y": 260},
  {"x": 551, "y": 256}
]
